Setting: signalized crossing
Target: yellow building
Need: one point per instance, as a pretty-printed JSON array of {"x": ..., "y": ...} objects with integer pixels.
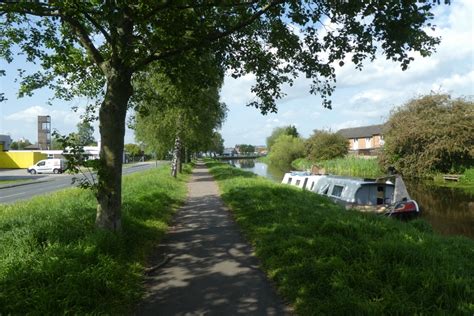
[{"x": 19, "y": 159}]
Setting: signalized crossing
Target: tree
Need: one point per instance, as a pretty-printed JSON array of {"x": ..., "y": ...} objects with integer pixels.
[
  {"x": 324, "y": 145},
  {"x": 277, "y": 132},
  {"x": 217, "y": 143},
  {"x": 286, "y": 149},
  {"x": 20, "y": 144},
  {"x": 95, "y": 48},
  {"x": 246, "y": 149},
  {"x": 430, "y": 134},
  {"x": 133, "y": 149},
  {"x": 85, "y": 134},
  {"x": 180, "y": 113}
]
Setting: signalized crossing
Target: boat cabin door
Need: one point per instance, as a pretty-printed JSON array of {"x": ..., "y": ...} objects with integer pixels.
[{"x": 380, "y": 194}]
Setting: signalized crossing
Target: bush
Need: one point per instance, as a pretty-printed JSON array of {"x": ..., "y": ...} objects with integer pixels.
[
  {"x": 277, "y": 132},
  {"x": 430, "y": 134},
  {"x": 324, "y": 145},
  {"x": 285, "y": 150}
]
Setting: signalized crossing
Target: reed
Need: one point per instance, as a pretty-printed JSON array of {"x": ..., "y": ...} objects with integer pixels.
[{"x": 348, "y": 166}]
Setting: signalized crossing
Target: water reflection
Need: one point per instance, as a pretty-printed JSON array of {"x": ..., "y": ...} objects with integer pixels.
[
  {"x": 260, "y": 168},
  {"x": 449, "y": 211}
]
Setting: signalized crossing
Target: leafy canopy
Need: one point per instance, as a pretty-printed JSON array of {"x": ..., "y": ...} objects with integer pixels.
[
  {"x": 277, "y": 132},
  {"x": 286, "y": 149},
  {"x": 79, "y": 44},
  {"x": 430, "y": 134},
  {"x": 324, "y": 145}
]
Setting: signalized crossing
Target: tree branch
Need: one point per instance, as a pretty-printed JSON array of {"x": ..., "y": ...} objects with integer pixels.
[
  {"x": 98, "y": 26},
  {"x": 85, "y": 40},
  {"x": 169, "y": 5},
  {"x": 210, "y": 38}
]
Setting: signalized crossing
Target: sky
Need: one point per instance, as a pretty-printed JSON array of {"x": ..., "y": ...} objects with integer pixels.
[{"x": 361, "y": 98}]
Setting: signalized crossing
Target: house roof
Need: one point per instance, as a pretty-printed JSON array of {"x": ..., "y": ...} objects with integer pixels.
[{"x": 362, "y": 131}]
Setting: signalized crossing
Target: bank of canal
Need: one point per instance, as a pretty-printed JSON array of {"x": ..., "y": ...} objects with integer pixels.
[{"x": 450, "y": 211}]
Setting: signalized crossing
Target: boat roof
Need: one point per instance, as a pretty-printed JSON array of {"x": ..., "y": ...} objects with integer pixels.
[{"x": 347, "y": 179}]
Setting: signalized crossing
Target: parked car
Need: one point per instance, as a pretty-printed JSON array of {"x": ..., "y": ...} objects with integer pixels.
[{"x": 48, "y": 166}]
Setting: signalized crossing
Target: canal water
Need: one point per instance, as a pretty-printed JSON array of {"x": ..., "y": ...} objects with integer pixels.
[{"x": 449, "y": 211}]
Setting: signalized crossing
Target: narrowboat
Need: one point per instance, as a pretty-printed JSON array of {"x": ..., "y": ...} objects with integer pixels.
[{"x": 387, "y": 195}]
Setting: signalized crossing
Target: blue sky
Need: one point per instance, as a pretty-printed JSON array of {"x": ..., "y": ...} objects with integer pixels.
[{"x": 361, "y": 98}]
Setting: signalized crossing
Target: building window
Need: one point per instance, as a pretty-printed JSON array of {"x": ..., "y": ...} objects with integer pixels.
[
  {"x": 355, "y": 144},
  {"x": 368, "y": 142}
]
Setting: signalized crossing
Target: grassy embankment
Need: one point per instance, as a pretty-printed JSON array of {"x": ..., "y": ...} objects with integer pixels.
[
  {"x": 369, "y": 168},
  {"x": 348, "y": 166},
  {"x": 53, "y": 260},
  {"x": 326, "y": 260}
]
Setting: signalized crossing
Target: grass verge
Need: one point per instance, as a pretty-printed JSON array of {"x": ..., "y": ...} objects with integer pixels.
[
  {"x": 326, "y": 260},
  {"x": 348, "y": 166},
  {"x": 53, "y": 260}
]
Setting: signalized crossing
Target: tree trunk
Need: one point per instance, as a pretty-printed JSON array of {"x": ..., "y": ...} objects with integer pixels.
[
  {"x": 181, "y": 160},
  {"x": 176, "y": 156},
  {"x": 112, "y": 131}
]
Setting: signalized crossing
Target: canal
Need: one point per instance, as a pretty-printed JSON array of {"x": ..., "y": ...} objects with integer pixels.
[{"x": 449, "y": 211}]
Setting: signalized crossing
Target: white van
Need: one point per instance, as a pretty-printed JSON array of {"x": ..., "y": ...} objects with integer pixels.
[{"x": 48, "y": 165}]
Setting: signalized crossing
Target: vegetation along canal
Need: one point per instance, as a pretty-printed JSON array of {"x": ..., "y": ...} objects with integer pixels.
[{"x": 449, "y": 211}]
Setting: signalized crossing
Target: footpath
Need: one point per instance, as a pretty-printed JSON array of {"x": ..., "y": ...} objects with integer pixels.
[{"x": 205, "y": 267}]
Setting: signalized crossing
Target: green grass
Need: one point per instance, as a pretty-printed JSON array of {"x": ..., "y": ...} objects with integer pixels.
[
  {"x": 326, "y": 260},
  {"x": 348, "y": 166},
  {"x": 263, "y": 159},
  {"x": 53, "y": 260},
  {"x": 465, "y": 183}
]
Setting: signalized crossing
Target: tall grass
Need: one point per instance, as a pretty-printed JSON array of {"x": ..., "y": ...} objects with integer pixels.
[
  {"x": 329, "y": 261},
  {"x": 53, "y": 259},
  {"x": 348, "y": 166}
]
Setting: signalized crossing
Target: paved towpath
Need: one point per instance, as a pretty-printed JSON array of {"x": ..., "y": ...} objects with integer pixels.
[{"x": 210, "y": 268}]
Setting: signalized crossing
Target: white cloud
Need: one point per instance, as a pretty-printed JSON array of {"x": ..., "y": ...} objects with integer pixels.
[
  {"x": 236, "y": 92},
  {"x": 30, "y": 115}
]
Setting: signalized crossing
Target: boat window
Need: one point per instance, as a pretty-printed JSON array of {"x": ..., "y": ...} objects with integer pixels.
[
  {"x": 298, "y": 182},
  {"x": 312, "y": 186},
  {"x": 289, "y": 180},
  {"x": 337, "y": 190},
  {"x": 325, "y": 189}
]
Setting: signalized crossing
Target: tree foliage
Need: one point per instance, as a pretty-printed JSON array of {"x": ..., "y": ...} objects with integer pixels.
[
  {"x": 95, "y": 48},
  {"x": 85, "y": 134},
  {"x": 217, "y": 143},
  {"x": 20, "y": 144},
  {"x": 324, "y": 145},
  {"x": 176, "y": 107},
  {"x": 246, "y": 149},
  {"x": 286, "y": 149},
  {"x": 433, "y": 133},
  {"x": 133, "y": 149},
  {"x": 277, "y": 132}
]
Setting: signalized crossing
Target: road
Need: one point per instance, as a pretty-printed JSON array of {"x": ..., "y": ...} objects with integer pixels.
[{"x": 49, "y": 183}]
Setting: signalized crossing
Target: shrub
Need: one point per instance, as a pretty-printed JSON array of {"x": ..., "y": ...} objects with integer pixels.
[
  {"x": 324, "y": 145},
  {"x": 277, "y": 132},
  {"x": 285, "y": 150},
  {"x": 430, "y": 134}
]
